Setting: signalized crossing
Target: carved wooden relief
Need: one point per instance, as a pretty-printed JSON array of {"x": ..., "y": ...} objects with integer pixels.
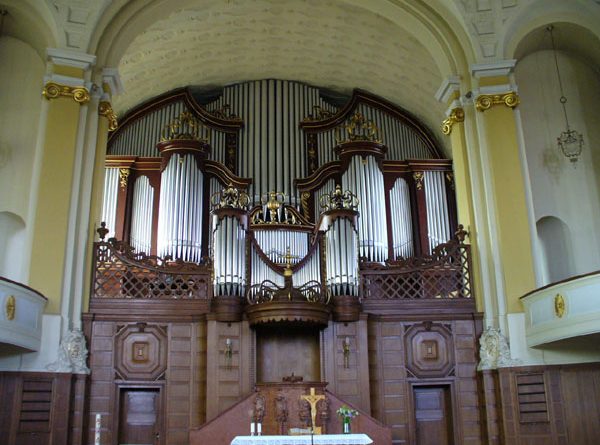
[
  {"x": 429, "y": 350},
  {"x": 141, "y": 352}
]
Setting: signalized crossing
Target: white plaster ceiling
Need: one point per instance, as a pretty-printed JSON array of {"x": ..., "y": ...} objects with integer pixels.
[{"x": 324, "y": 43}]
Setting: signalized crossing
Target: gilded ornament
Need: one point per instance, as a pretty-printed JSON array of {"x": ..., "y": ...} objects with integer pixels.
[
  {"x": 123, "y": 175},
  {"x": 185, "y": 126},
  {"x": 418, "y": 177},
  {"x": 559, "y": 305},
  {"x": 358, "y": 128},
  {"x": 230, "y": 198},
  {"x": 304, "y": 203},
  {"x": 456, "y": 115},
  {"x": 53, "y": 90},
  {"x": 105, "y": 109},
  {"x": 11, "y": 307},
  {"x": 450, "y": 179},
  {"x": 486, "y": 101}
]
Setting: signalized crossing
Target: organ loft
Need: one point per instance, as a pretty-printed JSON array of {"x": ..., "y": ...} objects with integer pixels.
[{"x": 269, "y": 238}]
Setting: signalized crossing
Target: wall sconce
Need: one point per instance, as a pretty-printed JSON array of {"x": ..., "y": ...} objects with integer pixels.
[
  {"x": 346, "y": 349},
  {"x": 228, "y": 353}
]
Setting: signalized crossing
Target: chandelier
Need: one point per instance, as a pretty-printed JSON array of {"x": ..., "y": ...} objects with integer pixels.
[{"x": 570, "y": 142}]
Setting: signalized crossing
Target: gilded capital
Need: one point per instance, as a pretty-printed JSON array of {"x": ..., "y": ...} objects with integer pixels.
[
  {"x": 456, "y": 115},
  {"x": 486, "y": 101},
  {"x": 53, "y": 90},
  {"x": 105, "y": 109}
]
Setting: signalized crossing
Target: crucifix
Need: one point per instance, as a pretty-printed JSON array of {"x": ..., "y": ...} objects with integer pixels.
[{"x": 312, "y": 400}]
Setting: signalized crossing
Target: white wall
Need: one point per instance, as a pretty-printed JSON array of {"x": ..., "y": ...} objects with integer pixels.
[
  {"x": 569, "y": 192},
  {"x": 20, "y": 95}
]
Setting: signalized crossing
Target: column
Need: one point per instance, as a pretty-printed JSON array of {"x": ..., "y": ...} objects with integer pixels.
[{"x": 505, "y": 186}]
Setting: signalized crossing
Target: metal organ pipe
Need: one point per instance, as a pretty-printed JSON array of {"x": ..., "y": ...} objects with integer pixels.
[
  {"x": 438, "y": 221},
  {"x": 141, "y": 215},
  {"x": 180, "y": 210},
  {"x": 229, "y": 247},
  {"x": 341, "y": 257},
  {"x": 109, "y": 200},
  {"x": 365, "y": 177},
  {"x": 401, "y": 220}
]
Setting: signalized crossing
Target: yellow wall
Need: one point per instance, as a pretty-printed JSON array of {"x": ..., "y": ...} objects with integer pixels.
[
  {"x": 511, "y": 211},
  {"x": 50, "y": 233},
  {"x": 95, "y": 205}
]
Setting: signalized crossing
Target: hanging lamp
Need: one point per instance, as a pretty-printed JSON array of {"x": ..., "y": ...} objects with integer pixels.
[{"x": 570, "y": 142}]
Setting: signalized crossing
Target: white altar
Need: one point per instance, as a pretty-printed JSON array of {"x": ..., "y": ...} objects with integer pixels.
[{"x": 323, "y": 439}]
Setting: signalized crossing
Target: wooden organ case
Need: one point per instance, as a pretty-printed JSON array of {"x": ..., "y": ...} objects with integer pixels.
[{"x": 269, "y": 239}]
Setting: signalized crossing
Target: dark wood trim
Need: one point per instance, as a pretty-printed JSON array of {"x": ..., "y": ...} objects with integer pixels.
[
  {"x": 23, "y": 286},
  {"x": 184, "y": 95},
  {"x": 364, "y": 97},
  {"x": 566, "y": 280}
]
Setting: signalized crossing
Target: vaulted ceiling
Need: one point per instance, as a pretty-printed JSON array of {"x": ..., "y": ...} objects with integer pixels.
[{"x": 325, "y": 43}]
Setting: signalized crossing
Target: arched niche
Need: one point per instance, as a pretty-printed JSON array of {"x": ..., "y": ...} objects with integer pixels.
[
  {"x": 570, "y": 191},
  {"x": 12, "y": 246},
  {"x": 557, "y": 251}
]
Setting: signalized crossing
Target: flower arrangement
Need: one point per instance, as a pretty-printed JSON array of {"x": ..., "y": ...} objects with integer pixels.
[{"x": 347, "y": 413}]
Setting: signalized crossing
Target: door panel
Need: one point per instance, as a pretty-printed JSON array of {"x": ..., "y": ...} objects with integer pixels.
[
  {"x": 139, "y": 417},
  {"x": 433, "y": 414}
]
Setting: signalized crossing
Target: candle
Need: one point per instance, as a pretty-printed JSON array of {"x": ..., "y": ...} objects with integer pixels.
[
  {"x": 259, "y": 428},
  {"x": 97, "y": 429},
  {"x": 252, "y": 428}
]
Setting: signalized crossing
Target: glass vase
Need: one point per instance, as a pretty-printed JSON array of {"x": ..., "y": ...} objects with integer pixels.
[{"x": 346, "y": 426}]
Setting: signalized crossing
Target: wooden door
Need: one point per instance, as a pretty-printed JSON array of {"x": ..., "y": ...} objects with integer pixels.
[
  {"x": 139, "y": 416},
  {"x": 433, "y": 414}
]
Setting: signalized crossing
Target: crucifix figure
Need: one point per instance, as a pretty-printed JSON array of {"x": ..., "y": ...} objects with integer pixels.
[{"x": 312, "y": 400}]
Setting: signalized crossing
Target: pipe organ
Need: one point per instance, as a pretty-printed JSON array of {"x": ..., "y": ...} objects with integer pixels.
[{"x": 254, "y": 180}]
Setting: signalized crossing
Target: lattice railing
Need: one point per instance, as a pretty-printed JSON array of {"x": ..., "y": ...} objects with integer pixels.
[
  {"x": 120, "y": 272},
  {"x": 445, "y": 274}
]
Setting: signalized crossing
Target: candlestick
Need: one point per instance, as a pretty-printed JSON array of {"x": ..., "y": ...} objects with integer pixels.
[
  {"x": 252, "y": 428},
  {"x": 259, "y": 428},
  {"x": 97, "y": 428}
]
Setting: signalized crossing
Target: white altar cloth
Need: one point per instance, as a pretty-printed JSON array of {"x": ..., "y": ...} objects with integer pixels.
[{"x": 322, "y": 439}]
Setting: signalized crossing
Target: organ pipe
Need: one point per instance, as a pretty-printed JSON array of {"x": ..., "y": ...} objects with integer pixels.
[
  {"x": 180, "y": 210},
  {"x": 141, "y": 215},
  {"x": 341, "y": 257},
  {"x": 109, "y": 201},
  {"x": 438, "y": 220},
  {"x": 229, "y": 247},
  {"x": 364, "y": 177},
  {"x": 401, "y": 220}
]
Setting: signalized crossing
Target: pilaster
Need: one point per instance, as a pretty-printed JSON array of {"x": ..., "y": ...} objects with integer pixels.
[{"x": 505, "y": 186}]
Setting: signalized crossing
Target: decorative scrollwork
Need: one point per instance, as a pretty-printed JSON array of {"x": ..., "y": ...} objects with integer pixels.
[
  {"x": 267, "y": 291},
  {"x": 185, "y": 126},
  {"x": 486, "y": 101},
  {"x": 123, "y": 177},
  {"x": 456, "y": 115},
  {"x": 225, "y": 113},
  {"x": 54, "y": 90},
  {"x": 105, "y": 109},
  {"x": 230, "y": 198},
  {"x": 359, "y": 128},
  {"x": 319, "y": 113},
  {"x": 418, "y": 178},
  {"x": 337, "y": 200}
]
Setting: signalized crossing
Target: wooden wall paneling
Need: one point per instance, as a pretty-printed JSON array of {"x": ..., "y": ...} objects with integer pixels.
[
  {"x": 198, "y": 411},
  {"x": 467, "y": 391},
  {"x": 517, "y": 428},
  {"x": 376, "y": 389},
  {"x": 388, "y": 351},
  {"x": 351, "y": 383},
  {"x": 228, "y": 381},
  {"x": 179, "y": 388},
  {"x": 77, "y": 409},
  {"x": 491, "y": 415},
  {"x": 102, "y": 387},
  {"x": 580, "y": 387},
  {"x": 35, "y": 407}
]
